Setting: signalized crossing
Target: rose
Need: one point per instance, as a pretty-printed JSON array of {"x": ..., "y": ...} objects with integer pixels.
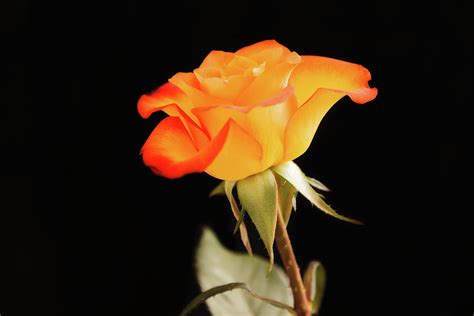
[{"x": 241, "y": 113}]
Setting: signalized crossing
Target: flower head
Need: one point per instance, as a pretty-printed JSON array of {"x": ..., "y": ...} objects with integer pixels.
[{"x": 242, "y": 113}]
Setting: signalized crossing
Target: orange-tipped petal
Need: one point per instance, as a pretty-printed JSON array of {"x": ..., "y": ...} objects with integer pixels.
[
  {"x": 321, "y": 72},
  {"x": 159, "y": 99},
  {"x": 199, "y": 136},
  {"x": 269, "y": 83},
  {"x": 170, "y": 151},
  {"x": 304, "y": 123},
  {"x": 190, "y": 85},
  {"x": 239, "y": 158},
  {"x": 269, "y": 51}
]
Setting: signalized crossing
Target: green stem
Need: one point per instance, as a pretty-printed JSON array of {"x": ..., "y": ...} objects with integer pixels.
[{"x": 302, "y": 305}]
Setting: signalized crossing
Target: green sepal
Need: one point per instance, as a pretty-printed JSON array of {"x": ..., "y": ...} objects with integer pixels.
[
  {"x": 286, "y": 197},
  {"x": 218, "y": 190},
  {"x": 240, "y": 220},
  {"x": 244, "y": 236},
  {"x": 317, "y": 184},
  {"x": 258, "y": 196},
  {"x": 293, "y": 174}
]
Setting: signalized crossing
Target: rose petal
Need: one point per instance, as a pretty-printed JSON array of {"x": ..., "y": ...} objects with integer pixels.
[
  {"x": 238, "y": 66},
  {"x": 207, "y": 72},
  {"x": 190, "y": 85},
  {"x": 217, "y": 59},
  {"x": 213, "y": 118},
  {"x": 227, "y": 89},
  {"x": 268, "y": 125},
  {"x": 190, "y": 121},
  {"x": 269, "y": 83},
  {"x": 303, "y": 124},
  {"x": 265, "y": 124},
  {"x": 269, "y": 51},
  {"x": 239, "y": 158},
  {"x": 162, "y": 97},
  {"x": 170, "y": 152},
  {"x": 321, "y": 72}
]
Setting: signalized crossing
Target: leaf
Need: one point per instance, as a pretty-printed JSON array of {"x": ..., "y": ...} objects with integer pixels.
[
  {"x": 216, "y": 266},
  {"x": 201, "y": 298},
  {"x": 218, "y": 190},
  {"x": 244, "y": 236},
  {"x": 291, "y": 172},
  {"x": 286, "y": 197},
  {"x": 258, "y": 196},
  {"x": 315, "y": 282}
]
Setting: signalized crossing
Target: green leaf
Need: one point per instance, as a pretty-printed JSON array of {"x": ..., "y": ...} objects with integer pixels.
[
  {"x": 201, "y": 298},
  {"x": 286, "y": 197},
  {"x": 291, "y": 172},
  {"x": 217, "y": 266},
  {"x": 315, "y": 282},
  {"x": 218, "y": 190},
  {"x": 244, "y": 236},
  {"x": 258, "y": 196}
]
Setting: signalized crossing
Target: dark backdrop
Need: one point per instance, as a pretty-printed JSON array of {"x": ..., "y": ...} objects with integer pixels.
[{"x": 101, "y": 235}]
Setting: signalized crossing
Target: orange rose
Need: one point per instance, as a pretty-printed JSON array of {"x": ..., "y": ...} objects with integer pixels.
[{"x": 241, "y": 113}]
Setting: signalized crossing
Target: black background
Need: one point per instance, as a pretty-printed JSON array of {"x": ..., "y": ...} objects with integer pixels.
[{"x": 101, "y": 235}]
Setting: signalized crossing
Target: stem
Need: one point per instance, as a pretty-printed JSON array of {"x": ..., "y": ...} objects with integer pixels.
[{"x": 301, "y": 303}]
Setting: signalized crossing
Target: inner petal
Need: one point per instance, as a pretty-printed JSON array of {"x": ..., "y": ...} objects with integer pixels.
[
  {"x": 237, "y": 66},
  {"x": 227, "y": 89},
  {"x": 269, "y": 51}
]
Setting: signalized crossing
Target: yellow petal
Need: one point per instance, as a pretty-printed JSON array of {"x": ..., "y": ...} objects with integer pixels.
[
  {"x": 217, "y": 58},
  {"x": 238, "y": 65},
  {"x": 269, "y": 83},
  {"x": 265, "y": 124},
  {"x": 239, "y": 157},
  {"x": 321, "y": 72},
  {"x": 216, "y": 86},
  {"x": 304, "y": 123},
  {"x": 269, "y": 51},
  {"x": 189, "y": 84}
]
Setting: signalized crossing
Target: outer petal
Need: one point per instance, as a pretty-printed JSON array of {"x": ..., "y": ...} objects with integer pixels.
[
  {"x": 265, "y": 124},
  {"x": 170, "y": 151},
  {"x": 162, "y": 97},
  {"x": 304, "y": 123},
  {"x": 269, "y": 51},
  {"x": 320, "y": 72},
  {"x": 239, "y": 158}
]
